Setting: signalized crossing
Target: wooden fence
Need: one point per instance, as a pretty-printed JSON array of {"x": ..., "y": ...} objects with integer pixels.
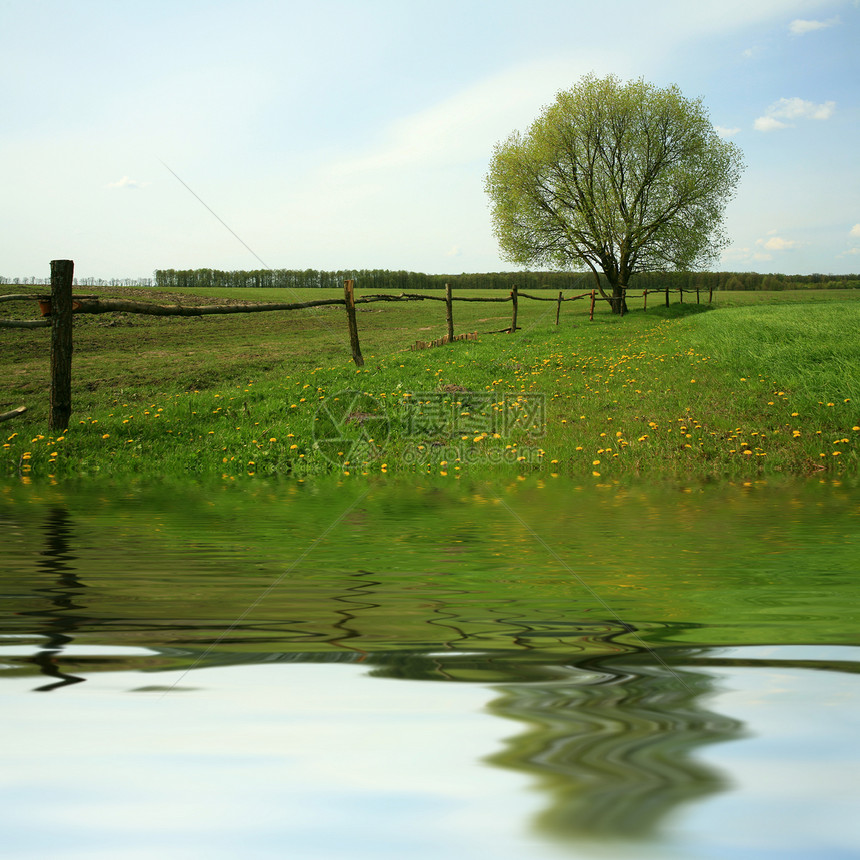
[{"x": 60, "y": 305}]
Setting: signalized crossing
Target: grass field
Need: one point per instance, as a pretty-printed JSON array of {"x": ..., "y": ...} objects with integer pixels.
[{"x": 760, "y": 384}]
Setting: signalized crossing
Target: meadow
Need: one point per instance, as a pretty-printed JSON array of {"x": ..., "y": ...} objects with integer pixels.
[{"x": 756, "y": 385}]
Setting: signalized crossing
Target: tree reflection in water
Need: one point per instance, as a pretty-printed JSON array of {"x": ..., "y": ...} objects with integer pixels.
[{"x": 610, "y": 738}]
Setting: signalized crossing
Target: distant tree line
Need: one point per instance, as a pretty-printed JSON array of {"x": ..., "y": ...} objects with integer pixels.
[
  {"x": 84, "y": 282},
  {"x": 383, "y": 280},
  {"x": 742, "y": 281}
]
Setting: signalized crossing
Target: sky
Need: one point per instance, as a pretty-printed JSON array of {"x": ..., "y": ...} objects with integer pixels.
[{"x": 356, "y": 134}]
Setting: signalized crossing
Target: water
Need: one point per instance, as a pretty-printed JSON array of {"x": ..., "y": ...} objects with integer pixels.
[{"x": 540, "y": 669}]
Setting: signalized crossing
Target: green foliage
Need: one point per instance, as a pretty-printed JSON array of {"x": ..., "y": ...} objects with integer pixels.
[{"x": 617, "y": 178}]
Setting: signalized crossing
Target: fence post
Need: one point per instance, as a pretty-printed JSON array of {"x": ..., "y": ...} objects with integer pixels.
[
  {"x": 667, "y": 295},
  {"x": 645, "y": 297},
  {"x": 697, "y": 294},
  {"x": 558, "y": 309},
  {"x": 681, "y": 294},
  {"x": 449, "y": 312},
  {"x": 591, "y": 317},
  {"x": 515, "y": 302},
  {"x": 711, "y": 295},
  {"x": 349, "y": 295},
  {"x": 61, "y": 343}
]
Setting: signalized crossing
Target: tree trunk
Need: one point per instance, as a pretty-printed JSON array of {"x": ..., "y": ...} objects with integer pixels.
[{"x": 618, "y": 301}]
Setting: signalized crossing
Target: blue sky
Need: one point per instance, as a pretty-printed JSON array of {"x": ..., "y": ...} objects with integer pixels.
[{"x": 356, "y": 133}]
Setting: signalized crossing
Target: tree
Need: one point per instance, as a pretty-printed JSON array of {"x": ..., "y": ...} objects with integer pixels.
[{"x": 616, "y": 178}]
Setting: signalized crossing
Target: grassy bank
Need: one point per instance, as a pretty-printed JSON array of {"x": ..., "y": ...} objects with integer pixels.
[{"x": 748, "y": 389}]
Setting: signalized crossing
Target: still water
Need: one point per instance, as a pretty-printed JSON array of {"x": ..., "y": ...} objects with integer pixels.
[{"x": 538, "y": 669}]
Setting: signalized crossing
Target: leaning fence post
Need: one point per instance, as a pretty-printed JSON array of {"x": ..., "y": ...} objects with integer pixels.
[
  {"x": 711, "y": 295},
  {"x": 667, "y": 295},
  {"x": 349, "y": 295},
  {"x": 591, "y": 317},
  {"x": 61, "y": 343},
  {"x": 515, "y": 301},
  {"x": 449, "y": 312},
  {"x": 697, "y": 294},
  {"x": 645, "y": 297},
  {"x": 681, "y": 294},
  {"x": 558, "y": 309}
]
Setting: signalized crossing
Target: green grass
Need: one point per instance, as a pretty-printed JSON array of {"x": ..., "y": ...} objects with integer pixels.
[{"x": 739, "y": 391}]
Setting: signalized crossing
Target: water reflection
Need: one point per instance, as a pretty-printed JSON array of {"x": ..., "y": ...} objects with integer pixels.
[
  {"x": 58, "y": 622},
  {"x": 608, "y": 715},
  {"x": 613, "y": 745},
  {"x": 611, "y": 739}
]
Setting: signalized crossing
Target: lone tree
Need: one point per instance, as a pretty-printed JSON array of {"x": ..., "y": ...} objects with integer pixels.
[{"x": 617, "y": 178}]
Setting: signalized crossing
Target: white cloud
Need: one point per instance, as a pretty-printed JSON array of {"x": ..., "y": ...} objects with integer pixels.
[
  {"x": 768, "y": 123},
  {"x": 777, "y": 243},
  {"x": 127, "y": 182},
  {"x": 855, "y": 231},
  {"x": 800, "y": 26},
  {"x": 465, "y": 126},
  {"x": 722, "y": 131},
  {"x": 792, "y": 109}
]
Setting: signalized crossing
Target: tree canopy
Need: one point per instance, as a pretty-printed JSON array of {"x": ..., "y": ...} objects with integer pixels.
[{"x": 617, "y": 178}]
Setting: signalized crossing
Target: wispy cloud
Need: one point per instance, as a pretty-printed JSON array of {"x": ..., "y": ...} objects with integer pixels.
[
  {"x": 781, "y": 113},
  {"x": 127, "y": 182},
  {"x": 466, "y": 125},
  {"x": 854, "y": 233},
  {"x": 800, "y": 26},
  {"x": 722, "y": 131},
  {"x": 777, "y": 243}
]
